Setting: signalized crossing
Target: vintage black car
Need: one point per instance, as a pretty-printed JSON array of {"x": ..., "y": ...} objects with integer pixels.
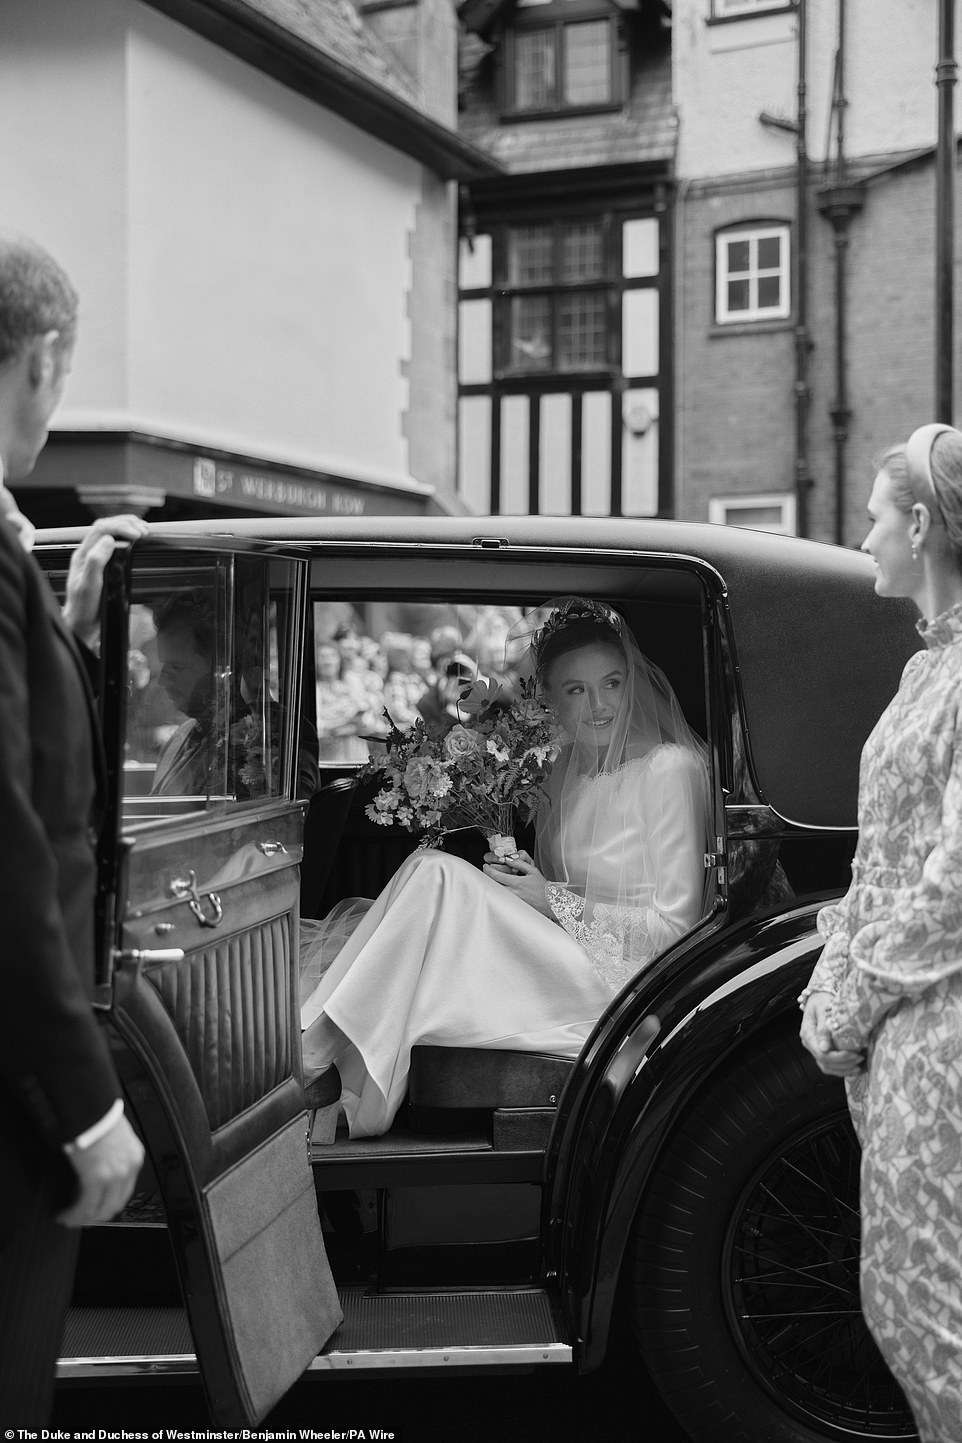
[{"x": 690, "y": 1177}]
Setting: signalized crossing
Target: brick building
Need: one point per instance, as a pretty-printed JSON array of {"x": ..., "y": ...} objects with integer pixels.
[
  {"x": 745, "y": 450},
  {"x": 794, "y": 282}
]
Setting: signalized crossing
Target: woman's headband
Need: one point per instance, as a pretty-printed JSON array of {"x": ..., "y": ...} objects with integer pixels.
[
  {"x": 574, "y": 609},
  {"x": 918, "y": 458}
]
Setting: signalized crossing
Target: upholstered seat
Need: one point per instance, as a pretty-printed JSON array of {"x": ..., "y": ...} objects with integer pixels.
[{"x": 484, "y": 1078}]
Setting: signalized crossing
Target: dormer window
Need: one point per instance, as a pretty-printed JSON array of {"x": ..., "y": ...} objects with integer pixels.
[{"x": 562, "y": 55}]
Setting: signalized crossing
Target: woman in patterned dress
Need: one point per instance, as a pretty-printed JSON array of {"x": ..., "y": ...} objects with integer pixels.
[{"x": 883, "y": 1008}]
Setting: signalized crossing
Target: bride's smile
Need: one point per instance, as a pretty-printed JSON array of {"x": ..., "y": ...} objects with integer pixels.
[{"x": 586, "y": 689}]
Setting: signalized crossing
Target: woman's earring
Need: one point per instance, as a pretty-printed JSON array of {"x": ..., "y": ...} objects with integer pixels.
[{"x": 915, "y": 551}]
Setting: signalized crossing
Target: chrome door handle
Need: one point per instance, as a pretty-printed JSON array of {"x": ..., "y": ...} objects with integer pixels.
[
  {"x": 271, "y": 849},
  {"x": 185, "y": 890}
]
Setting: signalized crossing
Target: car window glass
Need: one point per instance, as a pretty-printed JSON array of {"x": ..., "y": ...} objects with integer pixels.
[
  {"x": 383, "y": 662},
  {"x": 207, "y": 676}
]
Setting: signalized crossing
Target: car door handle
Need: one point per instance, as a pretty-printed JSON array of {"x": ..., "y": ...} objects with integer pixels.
[
  {"x": 150, "y": 955},
  {"x": 271, "y": 849},
  {"x": 185, "y": 890}
]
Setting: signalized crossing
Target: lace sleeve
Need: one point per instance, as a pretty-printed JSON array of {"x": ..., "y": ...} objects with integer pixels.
[
  {"x": 665, "y": 864},
  {"x": 616, "y": 939}
]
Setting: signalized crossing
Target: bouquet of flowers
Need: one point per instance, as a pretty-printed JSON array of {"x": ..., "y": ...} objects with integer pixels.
[{"x": 478, "y": 774}]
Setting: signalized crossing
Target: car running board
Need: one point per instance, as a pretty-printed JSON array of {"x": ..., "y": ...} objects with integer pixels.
[{"x": 391, "y": 1332}]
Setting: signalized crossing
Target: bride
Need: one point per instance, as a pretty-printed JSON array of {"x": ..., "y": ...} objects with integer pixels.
[{"x": 527, "y": 954}]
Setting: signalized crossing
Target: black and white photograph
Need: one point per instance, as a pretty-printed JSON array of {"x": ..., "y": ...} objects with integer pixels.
[{"x": 480, "y": 721}]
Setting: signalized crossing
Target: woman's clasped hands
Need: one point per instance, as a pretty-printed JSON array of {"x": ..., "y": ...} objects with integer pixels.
[
  {"x": 518, "y": 873},
  {"x": 816, "y": 1036}
]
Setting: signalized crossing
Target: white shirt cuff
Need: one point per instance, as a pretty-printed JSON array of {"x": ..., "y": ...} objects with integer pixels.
[{"x": 100, "y": 1129}]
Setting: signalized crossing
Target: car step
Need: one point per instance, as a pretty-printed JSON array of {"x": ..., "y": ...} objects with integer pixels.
[{"x": 468, "y": 1328}]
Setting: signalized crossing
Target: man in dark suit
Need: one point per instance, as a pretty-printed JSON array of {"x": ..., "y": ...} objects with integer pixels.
[{"x": 68, "y": 1156}]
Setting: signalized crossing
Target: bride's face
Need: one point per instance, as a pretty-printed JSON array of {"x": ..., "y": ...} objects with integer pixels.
[{"x": 586, "y": 690}]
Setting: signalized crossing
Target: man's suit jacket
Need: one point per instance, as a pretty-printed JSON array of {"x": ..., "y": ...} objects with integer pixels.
[{"x": 56, "y": 1076}]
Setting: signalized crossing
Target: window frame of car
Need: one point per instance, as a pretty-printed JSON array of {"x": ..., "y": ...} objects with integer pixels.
[{"x": 180, "y": 556}]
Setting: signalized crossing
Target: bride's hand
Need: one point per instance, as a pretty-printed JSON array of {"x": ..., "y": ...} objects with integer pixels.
[{"x": 519, "y": 875}]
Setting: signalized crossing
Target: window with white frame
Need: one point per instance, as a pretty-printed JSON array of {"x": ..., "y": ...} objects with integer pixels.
[
  {"x": 728, "y": 9},
  {"x": 752, "y": 273},
  {"x": 771, "y": 511}
]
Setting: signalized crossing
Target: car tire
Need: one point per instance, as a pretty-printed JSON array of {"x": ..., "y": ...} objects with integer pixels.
[{"x": 744, "y": 1266}]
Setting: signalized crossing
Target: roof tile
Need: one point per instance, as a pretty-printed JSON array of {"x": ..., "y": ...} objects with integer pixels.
[
  {"x": 644, "y": 130},
  {"x": 336, "y": 28}
]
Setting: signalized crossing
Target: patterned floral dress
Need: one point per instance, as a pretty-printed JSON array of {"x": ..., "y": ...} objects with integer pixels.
[{"x": 893, "y": 964}]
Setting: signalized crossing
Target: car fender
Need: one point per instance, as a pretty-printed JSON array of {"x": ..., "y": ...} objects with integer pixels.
[{"x": 710, "y": 996}]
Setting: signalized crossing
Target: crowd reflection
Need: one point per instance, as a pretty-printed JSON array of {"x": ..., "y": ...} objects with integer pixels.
[{"x": 367, "y": 674}]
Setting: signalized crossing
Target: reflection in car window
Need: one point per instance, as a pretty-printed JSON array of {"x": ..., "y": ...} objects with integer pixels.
[
  {"x": 205, "y": 724},
  {"x": 408, "y": 659}
]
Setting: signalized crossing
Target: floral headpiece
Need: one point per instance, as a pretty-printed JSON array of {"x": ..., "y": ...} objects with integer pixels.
[{"x": 569, "y": 611}]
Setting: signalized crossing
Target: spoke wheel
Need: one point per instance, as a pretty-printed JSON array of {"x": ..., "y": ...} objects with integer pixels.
[{"x": 746, "y": 1287}]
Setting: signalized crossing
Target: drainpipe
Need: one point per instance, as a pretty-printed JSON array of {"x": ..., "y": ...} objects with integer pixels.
[
  {"x": 838, "y": 202},
  {"x": 803, "y": 480},
  {"x": 946, "y": 72}
]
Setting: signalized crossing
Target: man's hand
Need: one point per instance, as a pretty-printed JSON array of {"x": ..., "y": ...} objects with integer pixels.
[
  {"x": 816, "y": 1036},
  {"x": 107, "y": 1172},
  {"x": 81, "y": 610},
  {"x": 23, "y": 526}
]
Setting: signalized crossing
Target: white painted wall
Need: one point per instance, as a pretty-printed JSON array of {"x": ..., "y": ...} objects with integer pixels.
[
  {"x": 242, "y": 254},
  {"x": 725, "y": 74},
  {"x": 63, "y": 167}
]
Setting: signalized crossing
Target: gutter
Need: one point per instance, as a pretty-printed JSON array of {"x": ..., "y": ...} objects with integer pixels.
[
  {"x": 302, "y": 67},
  {"x": 803, "y": 344},
  {"x": 839, "y": 202}
]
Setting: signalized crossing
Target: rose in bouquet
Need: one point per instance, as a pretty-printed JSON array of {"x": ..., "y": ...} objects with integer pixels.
[{"x": 482, "y": 772}]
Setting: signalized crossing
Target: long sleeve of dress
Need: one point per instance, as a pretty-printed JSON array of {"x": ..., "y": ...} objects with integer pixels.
[
  {"x": 675, "y": 815},
  {"x": 626, "y": 914},
  {"x": 832, "y": 924},
  {"x": 899, "y": 931}
]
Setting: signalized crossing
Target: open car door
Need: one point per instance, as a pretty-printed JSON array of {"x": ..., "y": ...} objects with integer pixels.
[{"x": 202, "y": 653}]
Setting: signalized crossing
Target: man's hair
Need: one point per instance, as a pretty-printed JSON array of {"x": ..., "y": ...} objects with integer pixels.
[
  {"x": 190, "y": 611},
  {"x": 35, "y": 296}
]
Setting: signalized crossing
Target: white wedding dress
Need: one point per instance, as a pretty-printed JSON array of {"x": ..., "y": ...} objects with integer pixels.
[{"x": 447, "y": 956}]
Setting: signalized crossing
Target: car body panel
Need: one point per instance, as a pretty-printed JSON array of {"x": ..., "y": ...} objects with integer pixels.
[
  {"x": 198, "y": 982},
  {"x": 710, "y": 996}
]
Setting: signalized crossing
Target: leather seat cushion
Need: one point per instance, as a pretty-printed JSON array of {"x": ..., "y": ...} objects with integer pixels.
[{"x": 485, "y": 1078}]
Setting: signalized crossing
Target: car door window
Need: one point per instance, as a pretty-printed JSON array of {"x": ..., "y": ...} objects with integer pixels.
[{"x": 207, "y": 663}]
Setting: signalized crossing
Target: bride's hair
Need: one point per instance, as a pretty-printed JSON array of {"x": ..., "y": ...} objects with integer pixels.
[{"x": 579, "y": 624}]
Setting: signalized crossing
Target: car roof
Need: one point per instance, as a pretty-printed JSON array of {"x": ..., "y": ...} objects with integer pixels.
[{"x": 818, "y": 654}]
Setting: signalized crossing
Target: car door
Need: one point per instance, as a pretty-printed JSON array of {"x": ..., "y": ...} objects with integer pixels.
[{"x": 209, "y": 767}]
